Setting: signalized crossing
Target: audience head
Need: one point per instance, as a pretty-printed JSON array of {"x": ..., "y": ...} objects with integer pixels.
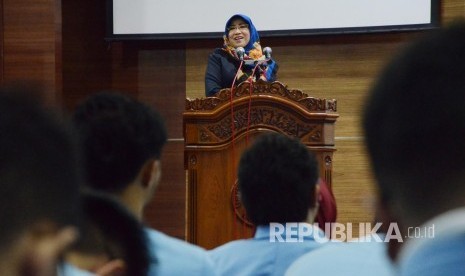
[
  {"x": 277, "y": 179},
  {"x": 39, "y": 184},
  {"x": 112, "y": 239},
  {"x": 122, "y": 139},
  {"x": 414, "y": 122}
]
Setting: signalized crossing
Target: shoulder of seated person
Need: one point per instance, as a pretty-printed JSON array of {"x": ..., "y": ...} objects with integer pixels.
[{"x": 159, "y": 238}]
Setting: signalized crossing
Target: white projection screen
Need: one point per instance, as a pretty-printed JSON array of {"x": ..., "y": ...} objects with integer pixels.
[{"x": 183, "y": 19}]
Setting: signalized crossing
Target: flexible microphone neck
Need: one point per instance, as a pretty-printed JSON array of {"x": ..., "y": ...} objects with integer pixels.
[{"x": 237, "y": 75}]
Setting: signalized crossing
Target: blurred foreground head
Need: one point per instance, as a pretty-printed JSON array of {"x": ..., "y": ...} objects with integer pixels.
[
  {"x": 39, "y": 183},
  {"x": 414, "y": 123}
]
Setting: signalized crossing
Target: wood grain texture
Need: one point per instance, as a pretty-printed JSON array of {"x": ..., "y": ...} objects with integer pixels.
[
  {"x": 451, "y": 10},
  {"x": 87, "y": 60},
  {"x": 2, "y": 42},
  {"x": 29, "y": 45},
  {"x": 166, "y": 212},
  {"x": 353, "y": 184}
]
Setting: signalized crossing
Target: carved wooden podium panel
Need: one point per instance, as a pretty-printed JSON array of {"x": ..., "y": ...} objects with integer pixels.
[{"x": 213, "y": 147}]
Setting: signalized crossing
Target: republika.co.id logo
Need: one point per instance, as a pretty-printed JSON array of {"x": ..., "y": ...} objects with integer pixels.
[{"x": 367, "y": 232}]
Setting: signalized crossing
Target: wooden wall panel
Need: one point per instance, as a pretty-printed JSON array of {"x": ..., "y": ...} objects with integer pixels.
[
  {"x": 30, "y": 42},
  {"x": 353, "y": 183},
  {"x": 161, "y": 82},
  {"x": 87, "y": 60},
  {"x": 452, "y": 9},
  {"x": 167, "y": 209},
  {"x": 1, "y": 41},
  {"x": 151, "y": 71}
]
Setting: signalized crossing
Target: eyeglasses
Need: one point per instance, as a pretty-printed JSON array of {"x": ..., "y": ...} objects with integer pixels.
[{"x": 241, "y": 27}]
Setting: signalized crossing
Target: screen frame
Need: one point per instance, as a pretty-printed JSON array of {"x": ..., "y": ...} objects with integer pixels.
[{"x": 435, "y": 23}]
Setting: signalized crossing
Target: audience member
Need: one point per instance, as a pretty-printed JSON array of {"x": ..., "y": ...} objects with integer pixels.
[
  {"x": 112, "y": 240},
  {"x": 123, "y": 140},
  {"x": 414, "y": 123},
  {"x": 39, "y": 185},
  {"x": 364, "y": 256},
  {"x": 277, "y": 178}
]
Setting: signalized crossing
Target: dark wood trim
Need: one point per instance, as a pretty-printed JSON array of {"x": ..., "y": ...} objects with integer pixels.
[
  {"x": 58, "y": 54},
  {"x": 2, "y": 42}
]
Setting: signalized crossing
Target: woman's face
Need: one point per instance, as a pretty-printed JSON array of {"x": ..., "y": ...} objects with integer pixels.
[{"x": 238, "y": 33}]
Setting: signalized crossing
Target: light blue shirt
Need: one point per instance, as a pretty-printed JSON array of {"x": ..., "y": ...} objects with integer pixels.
[
  {"x": 437, "y": 248},
  {"x": 264, "y": 254},
  {"x": 364, "y": 258},
  {"x": 176, "y": 257},
  {"x": 170, "y": 256},
  {"x": 67, "y": 269}
]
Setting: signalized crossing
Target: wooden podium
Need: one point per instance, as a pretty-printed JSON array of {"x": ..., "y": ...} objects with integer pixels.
[{"x": 213, "y": 147}]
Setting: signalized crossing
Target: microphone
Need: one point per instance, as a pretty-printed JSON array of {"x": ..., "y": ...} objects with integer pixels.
[
  {"x": 240, "y": 53},
  {"x": 267, "y": 52}
]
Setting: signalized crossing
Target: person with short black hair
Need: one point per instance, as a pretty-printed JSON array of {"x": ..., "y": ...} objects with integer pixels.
[
  {"x": 278, "y": 184},
  {"x": 123, "y": 140},
  {"x": 119, "y": 135}
]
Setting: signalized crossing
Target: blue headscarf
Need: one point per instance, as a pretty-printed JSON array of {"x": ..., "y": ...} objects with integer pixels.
[{"x": 253, "y": 32}]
